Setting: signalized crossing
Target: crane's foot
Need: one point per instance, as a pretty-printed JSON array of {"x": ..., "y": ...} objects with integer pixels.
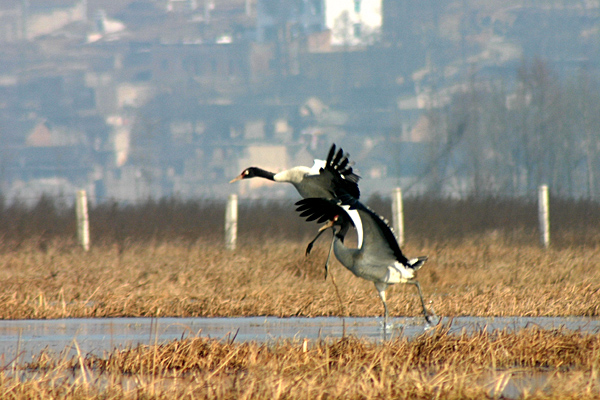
[
  {"x": 308, "y": 249},
  {"x": 386, "y": 325},
  {"x": 431, "y": 317}
]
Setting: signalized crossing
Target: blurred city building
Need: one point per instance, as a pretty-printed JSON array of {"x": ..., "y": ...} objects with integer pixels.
[{"x": 137, "y": 98}]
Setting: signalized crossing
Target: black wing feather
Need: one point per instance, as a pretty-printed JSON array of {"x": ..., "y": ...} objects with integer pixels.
[
  {"x": 343, "y": 179},
  {"x": 342, "y": 165},
  {"x": 330, "y": 155},
  {"x": 386, "y": 230},
  {"x": 338, "y": 157},
  {"x": 316, "y": 207}
]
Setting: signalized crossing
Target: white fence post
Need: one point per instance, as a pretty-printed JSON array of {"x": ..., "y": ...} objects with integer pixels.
[
  {"x": 544, "y": 215},
  {"x": 83, "y": 223},
  {"x": 398, "y": 215},
  {"x": 231, "y": 217}
]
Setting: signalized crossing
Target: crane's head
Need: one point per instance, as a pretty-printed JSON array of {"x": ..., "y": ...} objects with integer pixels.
[{"x": 250, "y": 172}]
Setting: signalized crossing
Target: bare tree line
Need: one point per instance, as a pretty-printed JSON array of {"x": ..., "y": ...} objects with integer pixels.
[{"x": 499, "y": 139}]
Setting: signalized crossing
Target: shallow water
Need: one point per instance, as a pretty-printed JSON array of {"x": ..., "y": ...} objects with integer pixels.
[{"x": 99, "y": 335}]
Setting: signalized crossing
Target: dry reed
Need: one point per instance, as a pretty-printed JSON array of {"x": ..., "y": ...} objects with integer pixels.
[
  {"x": 532, "y": 363},
  {"x": 484, "y": 276},
  {"x": 489, "y": 272}
]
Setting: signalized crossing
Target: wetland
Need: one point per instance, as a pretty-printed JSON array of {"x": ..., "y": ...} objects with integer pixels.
[{"x": 168, "y": 312}]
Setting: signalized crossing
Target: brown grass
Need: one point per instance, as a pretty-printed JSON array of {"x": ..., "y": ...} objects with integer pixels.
[
  {"x": 491, "y": 271},
  {"x": 538, "y": 364},
  {"x": 483, "y": 276}
]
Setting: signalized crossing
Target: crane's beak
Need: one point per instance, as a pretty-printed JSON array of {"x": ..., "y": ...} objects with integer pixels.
[{"x": 237, "y": 178}]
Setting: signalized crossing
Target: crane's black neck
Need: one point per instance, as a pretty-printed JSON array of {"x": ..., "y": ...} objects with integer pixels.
[
  {"x": 261, "y": 173},
  {"x": 344, "y": 227}
]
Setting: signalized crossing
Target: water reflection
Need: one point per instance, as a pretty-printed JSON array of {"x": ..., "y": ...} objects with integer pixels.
[{"x": 99, "y": 335}]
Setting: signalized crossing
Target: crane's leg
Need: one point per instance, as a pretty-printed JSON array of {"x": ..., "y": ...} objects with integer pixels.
[
  {"x": 329, "y": 224},
  {"x": 329, "y": 256},
  {"x": 310, "y": 245},
  {"x": 425, "y": 312},
  {"x": 322, "y": 229},
  {"x": 381, "y": 287}
]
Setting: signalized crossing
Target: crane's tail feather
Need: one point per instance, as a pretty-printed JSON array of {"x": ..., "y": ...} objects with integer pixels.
[{"x": 416, "y": 263}]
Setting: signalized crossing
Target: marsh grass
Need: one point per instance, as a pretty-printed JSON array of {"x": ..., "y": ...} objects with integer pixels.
[
  {"x": 531, "y": 363},
  {"x": 484, "y": 276},
  {"x": 167, "y": 259}
]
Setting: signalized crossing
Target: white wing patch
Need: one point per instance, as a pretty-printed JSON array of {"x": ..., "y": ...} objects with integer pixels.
[
  {"x": 316, "y": 168},
  {"x": 357, "y": 223}
]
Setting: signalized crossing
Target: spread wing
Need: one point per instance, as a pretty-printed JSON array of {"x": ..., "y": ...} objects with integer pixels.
[
  {"x": 340, "y": 167},
  {"x": 377, "y": 226},
  {"x": 331, "y": 178},
  {"x": 320, "y": 209}
]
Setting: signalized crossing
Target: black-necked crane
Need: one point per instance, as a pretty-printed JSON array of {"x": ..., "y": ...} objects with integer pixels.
[
  {"x": 323, "y": 180},
  {"x": 378, "y": 258}
]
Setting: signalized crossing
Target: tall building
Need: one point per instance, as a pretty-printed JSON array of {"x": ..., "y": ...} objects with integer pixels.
[{"x": 351, "y": 22}]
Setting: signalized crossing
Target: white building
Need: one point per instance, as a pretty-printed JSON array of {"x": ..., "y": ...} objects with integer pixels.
[{"x": 353, "y": 22}]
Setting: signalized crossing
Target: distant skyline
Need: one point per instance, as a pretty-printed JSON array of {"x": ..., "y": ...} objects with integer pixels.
[{"x": 146, "y": 99}]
